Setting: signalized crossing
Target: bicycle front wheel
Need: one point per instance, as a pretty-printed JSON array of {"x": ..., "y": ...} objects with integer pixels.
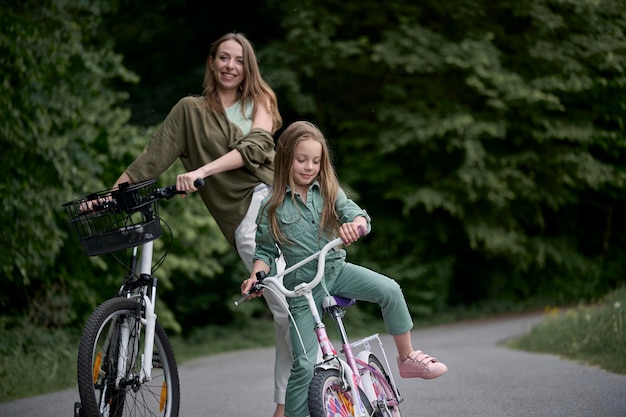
[
  {"x": 110, "y": 358},
  {"x": 329, "y": 397}
]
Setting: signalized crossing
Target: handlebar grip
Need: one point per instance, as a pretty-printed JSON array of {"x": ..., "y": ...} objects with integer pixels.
[
  {"x": 198, "y": 183},
  {"x": 242, "y": 299},
  {"x": 362, "y": 231},
  {"x": 168, "y": 192}
]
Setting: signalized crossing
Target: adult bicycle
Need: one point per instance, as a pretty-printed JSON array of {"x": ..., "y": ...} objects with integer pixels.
[
  {"x": 345, "y": 384},
  {"x": 126, "y": 366}
]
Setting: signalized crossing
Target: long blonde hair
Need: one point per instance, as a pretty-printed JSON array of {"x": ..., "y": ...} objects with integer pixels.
[
  {"x": 253, "y": 89},
  {"x": 327, "y": 178}
]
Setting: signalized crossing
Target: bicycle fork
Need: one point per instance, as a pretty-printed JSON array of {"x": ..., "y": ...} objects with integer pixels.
[{"x": 148, "y": 320}]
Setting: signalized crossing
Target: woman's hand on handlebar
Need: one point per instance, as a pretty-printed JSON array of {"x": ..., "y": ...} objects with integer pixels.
[
  {"x": 97, "y": 204},
  {"x": 189, "y": 181},
  {"x": 351, "y": 232}
]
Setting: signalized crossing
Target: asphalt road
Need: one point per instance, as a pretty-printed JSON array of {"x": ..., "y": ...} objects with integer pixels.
[{"x": 483, "y": 380}]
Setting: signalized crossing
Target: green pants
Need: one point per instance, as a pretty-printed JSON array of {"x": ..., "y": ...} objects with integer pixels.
[{"x": 350, "y": 281}]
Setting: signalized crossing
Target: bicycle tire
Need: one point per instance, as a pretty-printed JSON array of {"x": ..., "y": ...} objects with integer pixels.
[
  {"x": 327, "y": 397},
  {"x": 97, "y": 366},
  {"x": 381, "y": 390}
]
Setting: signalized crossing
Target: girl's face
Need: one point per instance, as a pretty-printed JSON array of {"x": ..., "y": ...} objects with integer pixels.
[
  {"x": 306, "y": 164},
  {"x": 228, "y": 65}
]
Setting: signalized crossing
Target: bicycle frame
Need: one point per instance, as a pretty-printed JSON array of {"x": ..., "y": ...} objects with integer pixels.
[
  {"x": 348, "y": 366},
  {"x": 356, "y": 364}
]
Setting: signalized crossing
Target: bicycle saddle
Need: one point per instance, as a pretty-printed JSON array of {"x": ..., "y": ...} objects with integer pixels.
[{"x": 336, "y": 300}]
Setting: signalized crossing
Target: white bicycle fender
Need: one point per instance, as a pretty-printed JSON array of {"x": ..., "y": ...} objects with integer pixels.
[{"x": 368, "y": 386}]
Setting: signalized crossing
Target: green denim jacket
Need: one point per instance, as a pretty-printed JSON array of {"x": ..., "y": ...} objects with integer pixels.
[{"x": 299, "y": 222}]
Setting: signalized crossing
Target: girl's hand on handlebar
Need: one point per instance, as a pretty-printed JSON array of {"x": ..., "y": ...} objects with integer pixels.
[
  {"x": 247, "y": 288},
  {"x": 351, "y": 232}
]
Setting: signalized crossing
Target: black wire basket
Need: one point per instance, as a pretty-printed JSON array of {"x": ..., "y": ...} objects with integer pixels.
[{"x": 116, "y": 219}]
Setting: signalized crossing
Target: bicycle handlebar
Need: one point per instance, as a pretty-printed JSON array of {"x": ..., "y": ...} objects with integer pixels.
[
  {"x": 170, "y": 191},
  {"x": 118, "y": 195},
  {"x": 301, "y": 288},
  {"x": 199, "y": 182}
]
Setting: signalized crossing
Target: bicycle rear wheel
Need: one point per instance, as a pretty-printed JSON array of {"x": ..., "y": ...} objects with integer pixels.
[
  {"x": 107, "y": 391},
  {"x": 379, "y": 389},
  {"x": 328, "y": 397}
]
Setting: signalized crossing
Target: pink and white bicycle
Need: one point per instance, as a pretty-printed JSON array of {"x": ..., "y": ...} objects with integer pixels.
[{"x": 348, "y": 384}]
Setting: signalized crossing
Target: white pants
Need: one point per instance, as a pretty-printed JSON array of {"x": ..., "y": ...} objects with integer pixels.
[{"x": 245, "y": 244}]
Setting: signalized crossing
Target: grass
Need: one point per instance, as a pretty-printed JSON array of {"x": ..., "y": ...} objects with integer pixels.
[
  {"x": 35, "y": 361},
  {"x": 593, "y": 334}
]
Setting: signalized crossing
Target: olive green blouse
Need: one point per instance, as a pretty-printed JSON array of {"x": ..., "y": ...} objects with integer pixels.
[{"x": 198, "y": 136}]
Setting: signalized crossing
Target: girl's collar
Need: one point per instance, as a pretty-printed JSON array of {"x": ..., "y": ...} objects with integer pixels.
[{"x": 313, "y": 184}]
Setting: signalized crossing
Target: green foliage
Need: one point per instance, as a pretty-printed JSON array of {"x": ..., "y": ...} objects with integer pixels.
[
  {"x": 67, "y": 135},
  {"x": 57, "y": 109},
  {"x": 480, "y": 135},
  {"x": 486, "y": 139}
]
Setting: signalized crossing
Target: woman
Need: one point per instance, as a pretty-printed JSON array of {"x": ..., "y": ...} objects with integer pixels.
[{"x": 225, "y": 136}]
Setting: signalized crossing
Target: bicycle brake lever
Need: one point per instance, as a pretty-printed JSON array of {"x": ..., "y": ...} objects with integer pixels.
[{"x": 255, "y": 289}]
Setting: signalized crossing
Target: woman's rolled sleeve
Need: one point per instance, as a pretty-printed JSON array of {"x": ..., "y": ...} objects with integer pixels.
[{"x": 256, "y": 149}]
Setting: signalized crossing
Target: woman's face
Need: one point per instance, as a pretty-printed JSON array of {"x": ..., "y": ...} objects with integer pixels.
[
  {"x": 228, "y": 65},
  {"x": 306, "y": 163}
]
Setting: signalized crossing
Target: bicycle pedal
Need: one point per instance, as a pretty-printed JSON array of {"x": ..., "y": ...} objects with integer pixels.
[{"x": 78, "y": 411}]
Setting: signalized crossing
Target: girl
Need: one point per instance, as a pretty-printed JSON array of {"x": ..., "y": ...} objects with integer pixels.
[{"x": 306, "y": 210}]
